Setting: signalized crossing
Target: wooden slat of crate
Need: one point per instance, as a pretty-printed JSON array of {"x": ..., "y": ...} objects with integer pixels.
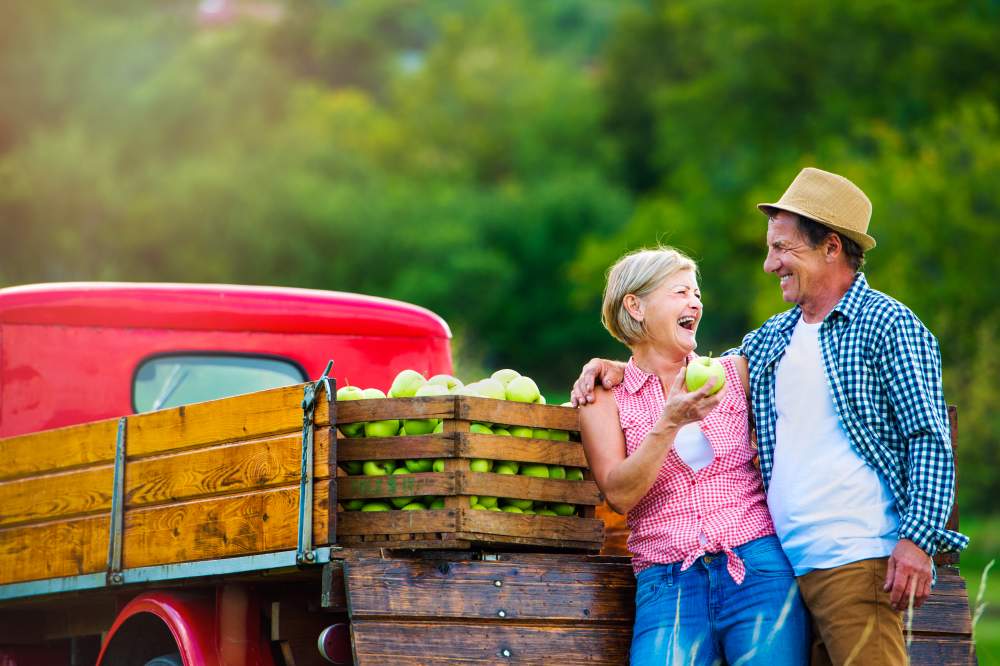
[
  {"x": 380, "y": 523},
  {"x": 378, "y": 642},
  {"x": 547, "y": 529},
  {"x": 396, "y": 485},
  {"x": 224, "y": 469},
  {"x": 496, "y": 447},
  {"x": 352, "y": 411},
  {"x": 938, "y": 651},
  {"x": 53, "y": 550},
  {"x": 527, "y": 487},
  {"x": 261, "y": 521},
  {"x": 63, "y": 494},
  {"x": 570, "y": 590},
  {"x": 390, "y": 448},
  {"x": 59, "y": 449},
  {"x": 250, "y": 416}
]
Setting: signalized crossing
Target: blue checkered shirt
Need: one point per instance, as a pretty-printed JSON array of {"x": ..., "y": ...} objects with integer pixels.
[{"x": 884, "y": 369}]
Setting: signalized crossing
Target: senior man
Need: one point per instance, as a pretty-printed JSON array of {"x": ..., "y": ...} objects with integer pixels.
[{"x": 852, "y": 426}]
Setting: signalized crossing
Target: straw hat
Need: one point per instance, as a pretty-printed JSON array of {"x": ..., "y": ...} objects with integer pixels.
[{"x": 829, "y": 199}]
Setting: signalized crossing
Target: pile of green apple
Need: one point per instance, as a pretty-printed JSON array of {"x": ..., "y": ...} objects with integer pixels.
[{"x": 501, "y": 385}]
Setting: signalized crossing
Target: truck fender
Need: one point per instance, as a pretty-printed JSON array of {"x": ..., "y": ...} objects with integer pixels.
[{"x": 189, "y": 618}]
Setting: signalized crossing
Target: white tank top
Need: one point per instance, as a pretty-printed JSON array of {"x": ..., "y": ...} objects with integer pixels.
[{"x": 829, "y": 507}]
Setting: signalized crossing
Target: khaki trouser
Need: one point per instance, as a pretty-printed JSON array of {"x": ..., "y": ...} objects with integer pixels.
[{"x": 853, "y": 622}]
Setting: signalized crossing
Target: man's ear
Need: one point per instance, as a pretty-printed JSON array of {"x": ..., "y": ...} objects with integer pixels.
[{"x": 833, "y": 247}]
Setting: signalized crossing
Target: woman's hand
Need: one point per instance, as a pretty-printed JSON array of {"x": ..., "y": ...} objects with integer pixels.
[{"x": 683, "y": 406}]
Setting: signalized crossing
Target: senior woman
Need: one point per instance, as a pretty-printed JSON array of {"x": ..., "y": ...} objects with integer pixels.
[{"x": 712, "y": 583}]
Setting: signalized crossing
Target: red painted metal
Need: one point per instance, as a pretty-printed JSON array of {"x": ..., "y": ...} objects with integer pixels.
[
  {"x": 68, "y": 351},
  {"x": 194, "y": 623}
]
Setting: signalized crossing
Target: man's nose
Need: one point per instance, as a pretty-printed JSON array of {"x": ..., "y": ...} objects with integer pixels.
[{"x": 770, "y": 263}]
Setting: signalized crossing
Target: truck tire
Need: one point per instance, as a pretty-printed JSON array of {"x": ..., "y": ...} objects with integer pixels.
[{"x": 173, "y": 659}]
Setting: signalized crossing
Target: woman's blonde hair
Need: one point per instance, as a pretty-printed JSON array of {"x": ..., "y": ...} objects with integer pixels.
[{"x": 639, "y": 272}]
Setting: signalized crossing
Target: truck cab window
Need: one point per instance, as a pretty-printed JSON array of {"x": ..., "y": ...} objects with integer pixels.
[{"x": 170, "y": 381}]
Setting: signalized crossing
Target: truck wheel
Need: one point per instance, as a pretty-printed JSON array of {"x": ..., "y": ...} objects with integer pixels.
[{"x": 173, "y": 659}]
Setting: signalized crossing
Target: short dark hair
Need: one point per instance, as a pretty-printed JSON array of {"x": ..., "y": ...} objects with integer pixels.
[{"x": 816, "y": 232}]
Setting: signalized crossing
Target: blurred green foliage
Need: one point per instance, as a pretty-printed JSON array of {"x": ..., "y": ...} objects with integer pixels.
[{"x": 491, "y": 160}]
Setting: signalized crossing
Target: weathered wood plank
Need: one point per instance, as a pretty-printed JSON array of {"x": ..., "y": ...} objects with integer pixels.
[
  {"x": 556, "y": 590},
  {"x": 377, "y": 643},
  {"x": 522, "y": 449},
  {"x": 937, "y": 651},
  {"x": 397, "y": 485},
  {"x": 61, "y": 495},
  {"x": 352, "y": 411},
  {"x": 247, "y": 524},
  {"x": 250, "y": 416},
  {"x": 527, "y": 487},
  {"x": 59, "y": 449},
  {"x": 396, "y": 522},
  {"x": 53, "y": 550},
  {"x": 224, "y": 469},
  {"x": 517, "y": 413},
  {"x": 551, "y": 528},
  {"x": 390, "y": 448}
]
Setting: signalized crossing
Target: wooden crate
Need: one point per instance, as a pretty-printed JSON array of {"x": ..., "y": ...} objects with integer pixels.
[{"x": 458, "y": 525}]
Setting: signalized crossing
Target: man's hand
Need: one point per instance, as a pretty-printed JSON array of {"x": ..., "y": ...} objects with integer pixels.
[
  {"x": 609, "y": 373},
  {"x": 682, "y": 406},
  {"x": 909, "y": 575}
]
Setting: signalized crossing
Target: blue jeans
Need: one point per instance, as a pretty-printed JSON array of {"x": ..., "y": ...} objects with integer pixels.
[{"x": 701, "y": 616}]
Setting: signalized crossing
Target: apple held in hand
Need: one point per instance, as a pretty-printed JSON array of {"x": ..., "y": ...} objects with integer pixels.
[{"x": 700, "y": 369}]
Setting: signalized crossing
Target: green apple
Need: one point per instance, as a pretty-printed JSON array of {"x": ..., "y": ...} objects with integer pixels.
[
  {"x": 377, "y": 467},
  {"x": 528, "y": 512},
  {"x": 537, "y": 470},
  {"x": 511, "y": 509},
  {"x": 481, "y": 428},
  {"x": 491, "y": 388},
  {"x": 438, "y": 465},
  {"x": 559, "y": 435},
  {"x": 400, "y": 502},
  {"x": 351, "y": 393},
  {"x": 418, "y": 465},
  {"x": 354, "y": 504},
  {"x": 439, "y": 427},
  {"x": 505, "y": 376},
  {"x": 574, "y": 474},
  {"x": 557, "y": 472},
  {"x": 424, "y": 426},
  {"x": 522, "y": 389},
  {"x": 470, "y": 390},
  {"x": 540, "y": 400},
  {"x": 479, "y": 507},
  {"x": 563, "y": 509},
  {"x": 498, "y": 430},
  {"x": 414, "y": 506},
  {"x": 508, "y": 467},
  {"x": 521, "y": 431},
  {"x": 372, "y": 394},
  {"x": 480, "y": 465},
  {"x": 494, "y": 508},
  {"x": 521, "y": 504},
  {"x": 546, "y": 512},
  {"x": 387, "y": 428},
  {"x": 437, "y": 503},
  {"x": 700, "y": 369},
  {"x": 406, "y": 383},
  {"x": 473, "y": 499},
  {"x": 352, "y": 467},
  {"x": 488, "y": 502},
  {"x": 376, "y": 506},
  {"x": 450, "y": 383},
  {"x": 540, "y": 433}
]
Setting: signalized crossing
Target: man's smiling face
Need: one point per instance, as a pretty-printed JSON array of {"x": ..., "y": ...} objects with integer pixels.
[{"x": 802, "y": 270}]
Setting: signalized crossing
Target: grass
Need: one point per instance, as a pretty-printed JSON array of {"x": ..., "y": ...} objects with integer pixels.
[{"x": 984, "y": 546}]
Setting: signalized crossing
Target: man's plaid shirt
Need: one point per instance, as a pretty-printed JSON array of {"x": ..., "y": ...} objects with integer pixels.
[{"x": 884, "y": 370}]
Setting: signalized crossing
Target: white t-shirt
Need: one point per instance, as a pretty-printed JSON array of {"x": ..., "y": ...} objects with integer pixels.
[
  {"x": 693, "y": 447},
  {"x": 829, "y": 507}
]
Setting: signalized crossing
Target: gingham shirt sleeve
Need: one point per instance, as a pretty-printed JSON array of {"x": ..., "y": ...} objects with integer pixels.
[{"x": 911, "y": 368}]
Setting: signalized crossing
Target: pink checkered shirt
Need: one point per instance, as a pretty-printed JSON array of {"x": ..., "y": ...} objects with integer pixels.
[{"x": 724, "y": 501}]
